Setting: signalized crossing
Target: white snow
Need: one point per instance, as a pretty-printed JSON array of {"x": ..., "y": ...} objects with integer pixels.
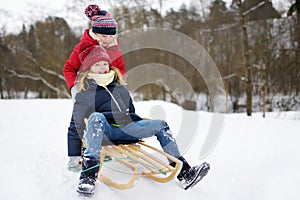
[{"x": 255, "y": 158}]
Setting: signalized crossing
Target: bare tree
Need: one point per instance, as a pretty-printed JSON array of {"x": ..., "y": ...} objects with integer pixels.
[{"x": 246, "y": 57}]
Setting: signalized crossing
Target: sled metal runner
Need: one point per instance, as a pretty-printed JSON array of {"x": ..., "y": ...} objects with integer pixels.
[{"x": 141, "y": 162}]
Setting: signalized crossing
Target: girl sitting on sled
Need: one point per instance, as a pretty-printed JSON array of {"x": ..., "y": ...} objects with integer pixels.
[{"x": 106, "y": 103}]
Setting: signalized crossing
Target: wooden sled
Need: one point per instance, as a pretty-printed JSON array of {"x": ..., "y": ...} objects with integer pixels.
[{"x": 141, "y": 163}]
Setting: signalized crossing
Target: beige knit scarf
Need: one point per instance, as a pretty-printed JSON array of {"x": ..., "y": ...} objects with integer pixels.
[{"x": 103, "y": 79}]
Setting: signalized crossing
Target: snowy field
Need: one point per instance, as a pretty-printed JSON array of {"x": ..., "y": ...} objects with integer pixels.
[{"x": 255, "y": 158}]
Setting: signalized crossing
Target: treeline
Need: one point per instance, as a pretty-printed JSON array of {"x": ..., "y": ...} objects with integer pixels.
[{"x": 32, "y": 61}]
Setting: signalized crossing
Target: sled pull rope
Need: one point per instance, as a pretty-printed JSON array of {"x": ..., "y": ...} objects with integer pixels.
[
  {"x": 98, "y": 165},
  {"x": 116, "y": 159}
]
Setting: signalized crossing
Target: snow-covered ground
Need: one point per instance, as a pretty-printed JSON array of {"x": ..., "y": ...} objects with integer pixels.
[{"x": 255, "y": 158}]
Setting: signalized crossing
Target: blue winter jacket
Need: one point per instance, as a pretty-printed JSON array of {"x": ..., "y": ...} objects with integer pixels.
[{"x": 99, "y": 99}]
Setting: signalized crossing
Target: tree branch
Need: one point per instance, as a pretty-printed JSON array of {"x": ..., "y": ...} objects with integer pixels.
[
  {"x": 35, "y": 78},
  {"x": 28, "y": 55}
]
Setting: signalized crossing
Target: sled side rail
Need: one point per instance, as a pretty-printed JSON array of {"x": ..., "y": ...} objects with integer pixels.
[{"x": 141, "y": 162}]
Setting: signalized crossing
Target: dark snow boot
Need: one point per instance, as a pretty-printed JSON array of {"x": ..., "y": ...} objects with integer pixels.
[
  {"x": 88, "y": 176},
  {"x": 190, "y": 176}
]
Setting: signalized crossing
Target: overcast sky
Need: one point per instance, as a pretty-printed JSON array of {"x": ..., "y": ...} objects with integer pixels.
[
  {"x": 19, "y": 12},
  {"x": 18, "y": 5}
]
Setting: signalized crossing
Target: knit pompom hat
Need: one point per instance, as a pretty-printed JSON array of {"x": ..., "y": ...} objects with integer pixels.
[
  {"x": 102, "y": 22},
  {"x": 92, "y": 55}
]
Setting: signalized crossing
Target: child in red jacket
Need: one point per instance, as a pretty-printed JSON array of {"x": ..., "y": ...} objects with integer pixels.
[{"x": 103, "y": 32}]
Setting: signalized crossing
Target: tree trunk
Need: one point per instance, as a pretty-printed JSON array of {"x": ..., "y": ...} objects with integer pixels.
[{"x": 246, "y": 60}]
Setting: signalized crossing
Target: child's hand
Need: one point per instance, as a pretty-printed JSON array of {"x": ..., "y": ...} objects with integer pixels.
[
  {"x": 74, "y": 164},
  {"x": 74, "y": 91}
]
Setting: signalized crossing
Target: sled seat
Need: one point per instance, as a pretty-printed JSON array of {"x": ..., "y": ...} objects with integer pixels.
[{"x": 137, "y": 157}]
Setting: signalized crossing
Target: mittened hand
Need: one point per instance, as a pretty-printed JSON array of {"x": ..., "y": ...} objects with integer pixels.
[{"x": 74, "y": 164}]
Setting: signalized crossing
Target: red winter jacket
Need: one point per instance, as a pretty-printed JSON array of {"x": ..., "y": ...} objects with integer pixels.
[{"x": 73, "y": 64}]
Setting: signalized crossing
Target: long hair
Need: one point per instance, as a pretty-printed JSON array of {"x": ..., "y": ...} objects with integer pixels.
[{"x": 83, "y": 84}]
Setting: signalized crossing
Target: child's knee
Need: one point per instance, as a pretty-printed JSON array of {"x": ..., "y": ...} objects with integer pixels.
[
  {"x": 163, "y": 125},
  {"x": 96, "y": 125},
  {"x": 96, "y": 117}
]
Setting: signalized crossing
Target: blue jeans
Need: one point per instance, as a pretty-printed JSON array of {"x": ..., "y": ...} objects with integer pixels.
[{"x": 99, "y": 128}]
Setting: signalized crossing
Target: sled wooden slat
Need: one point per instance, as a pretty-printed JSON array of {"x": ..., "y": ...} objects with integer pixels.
[
  {"x": 141, "y": 162},
  {"x": 141, "y": 157},
  {"x": 172, "y": 172},
  {"x": 133, "y": 156},
  {"x": 120, "y": 157},
  {"x": 148, "y": 157}
]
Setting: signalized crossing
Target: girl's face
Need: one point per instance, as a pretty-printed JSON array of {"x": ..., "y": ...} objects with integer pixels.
[
  {"x": 101, "y": 67},
  {"x": 105, "y": 40}
]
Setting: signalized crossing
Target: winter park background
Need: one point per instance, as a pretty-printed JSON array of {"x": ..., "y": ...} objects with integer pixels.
[{"x": 251, "y": 158}]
